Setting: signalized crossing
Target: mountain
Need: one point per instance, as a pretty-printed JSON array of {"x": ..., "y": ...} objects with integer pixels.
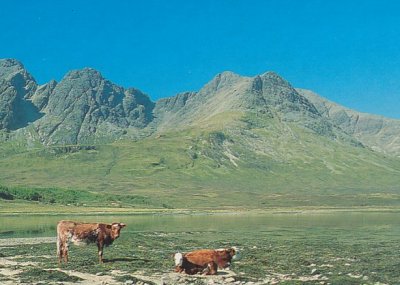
[
  {"x": 16, "y": 88},
  {"x": 83, "y": 107},
  {"x": 267, "y": 95},
  {"x": 377, "y": 132},
  {"x": 253, "y": 141}
]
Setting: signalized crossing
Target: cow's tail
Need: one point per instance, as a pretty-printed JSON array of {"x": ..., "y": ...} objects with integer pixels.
[{"x": 178, "y": 259}]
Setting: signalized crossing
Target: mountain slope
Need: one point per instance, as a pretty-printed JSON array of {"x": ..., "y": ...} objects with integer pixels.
[
  {"x": 229, "y": 92},
  {"x": 377, "y": 132},
  {"x": 279, "y": 166}
]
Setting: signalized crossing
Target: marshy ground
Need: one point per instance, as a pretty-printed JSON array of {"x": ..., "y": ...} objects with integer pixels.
[{"x": 314, "y": 255}]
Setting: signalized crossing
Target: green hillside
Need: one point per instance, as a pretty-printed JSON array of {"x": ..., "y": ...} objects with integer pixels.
[
  {"x": 242, "y": 142},
  {"x": 245, "y": 160}
]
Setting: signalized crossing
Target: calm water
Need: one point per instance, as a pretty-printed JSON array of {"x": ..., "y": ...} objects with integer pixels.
[{"x": 384, "y": 223}]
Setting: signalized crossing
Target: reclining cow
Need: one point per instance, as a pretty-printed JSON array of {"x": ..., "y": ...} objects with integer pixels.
[
  {"x": 204, "y": 261},
  {"x": 78, "y": 233}
]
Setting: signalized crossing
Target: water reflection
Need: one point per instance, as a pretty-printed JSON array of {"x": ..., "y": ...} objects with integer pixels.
[{"x": 39, "y": 226}]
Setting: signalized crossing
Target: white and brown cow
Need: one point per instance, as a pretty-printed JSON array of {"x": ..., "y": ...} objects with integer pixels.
[
  {"x": 85, "y": 233},
  {"x": 204, "y": 261}
]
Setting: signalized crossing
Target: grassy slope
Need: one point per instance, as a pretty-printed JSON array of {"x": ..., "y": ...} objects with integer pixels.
[{"x": 223, "y": 162}]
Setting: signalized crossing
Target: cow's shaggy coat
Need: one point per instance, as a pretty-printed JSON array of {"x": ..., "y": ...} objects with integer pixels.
[
  {"x": 204, "y": 261},
  {"x": 85, "y": 233}
]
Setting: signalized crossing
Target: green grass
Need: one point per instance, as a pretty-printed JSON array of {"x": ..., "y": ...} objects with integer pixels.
[
  {"x": 253, "y": 162},
  {"x": 337, "y": 254},
  {"x": 71, "y": 197},
  {"x": 127, "y": 277},
  {"x": 37, "y": 274}
]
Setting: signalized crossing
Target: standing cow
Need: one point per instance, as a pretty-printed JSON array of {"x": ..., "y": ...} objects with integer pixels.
[
  {"x": 85, "y": 233},
  {"x": 204, "y": 261}
]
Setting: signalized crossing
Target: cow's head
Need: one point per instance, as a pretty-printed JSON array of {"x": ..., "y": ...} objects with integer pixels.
[
  {"x": 178, "y": 257},
  {"x": 116, "y": 229},
  {"x": 235, "y": 253},
  {"x": 227, "y": 255}
]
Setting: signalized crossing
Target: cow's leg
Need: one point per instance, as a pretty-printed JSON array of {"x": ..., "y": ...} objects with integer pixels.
[
  {"x": 66, "y": 256},
  {"x": 59, "y": 259},
  {"x": 178, "y": 269},
  {"x": 100, "y": 247},
  {"x": 65, "y": 252},
  {"x": 60, "y": 246},
  {"x": 211, "y": 269},
  {"x": 59, "y": 252},
  {"x": 62, "y": 250}
]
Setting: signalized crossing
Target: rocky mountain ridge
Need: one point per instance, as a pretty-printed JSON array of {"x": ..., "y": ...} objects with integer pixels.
[
  {"x": 379, "y": 133},
  {"x": 83, "y": 107},
  {"x": 17, "y": 86},
  {"x": 86, "y": 108}
]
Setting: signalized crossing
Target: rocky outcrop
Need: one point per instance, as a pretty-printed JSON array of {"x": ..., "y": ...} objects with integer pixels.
[
  {"x": 82, "y": 108},
  {"x": 379, "y": 133},
  {"x": 279, "y": 93},
  {"x": 85, "y": 107},
  {"x": 41, "y": 96},
  {"x": 16, "y": 88}
]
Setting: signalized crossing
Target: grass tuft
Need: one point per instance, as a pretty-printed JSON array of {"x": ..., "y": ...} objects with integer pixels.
[{"x": 37, "y": 275}]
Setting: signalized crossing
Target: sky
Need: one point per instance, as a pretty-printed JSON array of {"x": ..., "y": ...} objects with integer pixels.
[{"x": 348, "y": 51}]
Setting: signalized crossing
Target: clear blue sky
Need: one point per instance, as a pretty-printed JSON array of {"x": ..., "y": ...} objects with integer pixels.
[{"x": 347, "y": 51}]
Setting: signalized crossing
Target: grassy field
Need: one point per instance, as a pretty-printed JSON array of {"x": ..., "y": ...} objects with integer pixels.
[
  {"x": 20, "y": 200},
  {"x": 310, "y": 255},
  {"x": 42, "y": 197}
]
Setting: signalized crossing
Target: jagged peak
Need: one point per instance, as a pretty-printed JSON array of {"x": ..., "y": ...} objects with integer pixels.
[
  {"x": 270, "y": 74},
  {"x": 51, "y": 84},
  {"x": 140, "y": 97},
  {"x": 274, "y": 78},
  {"x": 84, "y": 72},
  {"x": 221, "y": 80},
  {"x": 9, "y": 66},
  {"x": 227, "y": 74},
  {"x": 269, "y": 79},
  {"x": 9, "y": 62}
]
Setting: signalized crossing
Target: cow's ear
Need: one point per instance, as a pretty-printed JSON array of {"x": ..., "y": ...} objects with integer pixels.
[
  {"x": 119, "y": 225},
  {"x": 108, "y": 226}
]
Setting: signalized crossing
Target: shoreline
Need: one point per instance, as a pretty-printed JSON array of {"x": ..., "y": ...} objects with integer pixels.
[{"x": 80, "y": 211}]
